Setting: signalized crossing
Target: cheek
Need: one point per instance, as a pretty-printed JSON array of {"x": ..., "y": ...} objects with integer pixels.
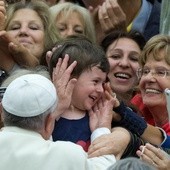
[
  {"x": 165, "y": 82},
  {"x": 63, "y": 33},
  {"x": 13, "y": 33},
  {"x": 135, "y": 67},
  {"x": 112, "y": 63},
  {"x": 40, "y": 38}
]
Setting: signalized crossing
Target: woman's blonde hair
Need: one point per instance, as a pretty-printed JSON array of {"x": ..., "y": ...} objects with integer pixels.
[
  {"x": 67, "y": 9},
  {"x": 42, "y": 9},
  {"x": 154, "y": 46}
]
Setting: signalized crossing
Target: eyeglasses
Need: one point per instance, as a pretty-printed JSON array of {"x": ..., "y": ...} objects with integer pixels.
[{"x": 159, "y": 72}]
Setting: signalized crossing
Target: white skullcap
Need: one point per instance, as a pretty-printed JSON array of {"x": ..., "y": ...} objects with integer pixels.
[{"x": 29, "y": 95}]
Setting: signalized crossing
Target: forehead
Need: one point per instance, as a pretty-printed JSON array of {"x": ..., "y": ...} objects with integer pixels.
[
  {"x": 94, "y": 72},
  {"x": 158, "y": 55},
  {"x": 125, "y": 43},
  {"x": 72, "y": 16},
  {"x": 28, "y": 14},
  {"x": 158, "y": 60}
]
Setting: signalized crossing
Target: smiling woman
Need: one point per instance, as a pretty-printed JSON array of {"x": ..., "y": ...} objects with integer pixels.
[
  {"x": 154, "y": 79},
  {"x": 30, "y": 24},
  {"x": 123, "y": 51}
]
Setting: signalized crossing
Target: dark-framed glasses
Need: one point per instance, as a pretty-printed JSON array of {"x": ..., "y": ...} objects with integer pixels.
[{"x": 158, "y": 72}]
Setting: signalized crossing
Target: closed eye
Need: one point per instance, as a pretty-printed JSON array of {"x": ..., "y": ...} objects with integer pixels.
[{"x": 115, "y": 56}]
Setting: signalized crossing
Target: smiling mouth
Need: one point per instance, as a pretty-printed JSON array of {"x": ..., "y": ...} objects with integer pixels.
[
  {"x": 122, "y": 75},
  {"x": 153, "y": 91}
]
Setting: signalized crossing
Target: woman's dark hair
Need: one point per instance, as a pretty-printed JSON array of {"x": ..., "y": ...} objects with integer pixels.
[{"x": 115, "y": 35}]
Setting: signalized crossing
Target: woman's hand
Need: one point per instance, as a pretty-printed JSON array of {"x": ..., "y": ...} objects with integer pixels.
[
  {"x": 101, "y": 114},
  {"x": 11, "y": 48},
  {"x": 111, "y": 16},
  {"x": 154, "y": 156}
]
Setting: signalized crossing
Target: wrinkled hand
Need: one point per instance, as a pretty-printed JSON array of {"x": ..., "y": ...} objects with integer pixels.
[
  {"x": 2, "y": 15},
  {"x": 114, "y": 143},
  {"x": 19, "y": 53},
  {"x": 49, "y": 55},
  {"x": 111, "y": 16},
  {"x": 116, "y": 116},
  {"x": 101, "y": 113},
  {"x": 154, "y": 156},
  {"x": 64, "y": 85}
]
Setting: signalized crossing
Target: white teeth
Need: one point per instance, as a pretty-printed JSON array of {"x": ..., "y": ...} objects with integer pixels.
[
  {"x": 152, "y": 91},
  {"x": 122, "y": 75}
]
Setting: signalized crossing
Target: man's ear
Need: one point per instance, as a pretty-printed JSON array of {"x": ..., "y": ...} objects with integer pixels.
[{"x": 49, "y": 126}]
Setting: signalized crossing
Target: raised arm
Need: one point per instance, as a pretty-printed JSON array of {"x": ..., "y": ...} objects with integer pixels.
[{"x": 64, "y": 84}]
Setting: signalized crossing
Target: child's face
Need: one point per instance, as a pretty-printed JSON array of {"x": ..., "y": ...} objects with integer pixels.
[{"x": 88, "y": 89}]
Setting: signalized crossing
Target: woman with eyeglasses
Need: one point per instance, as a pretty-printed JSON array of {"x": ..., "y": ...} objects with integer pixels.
[
  {"x": 154, "y": 77},
  {"x": 128, "y": 118}
]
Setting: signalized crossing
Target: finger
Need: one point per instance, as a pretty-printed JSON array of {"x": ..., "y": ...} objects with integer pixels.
[
  {"x": 119, "y": 17},
  {"x": 49, "y": 55},
  {"x": 148, "y": 156},
  {"x": 96, "y": 108},
  {"x": 53, "y": 49},
  {"x": 5, "y": 36},
  {"x": 2, "y": 8},
  {"x": 55, "y": 73},
  {"x": 63, "y": 66},
  {"x": 101, "y": 146},
  {"x": 157, "y": 151},
  {"x": 110, "y": 9},
  {"x": 91, "y": 112},
  {"x": 2, "y": 33},
  {"x": 95, "y": 146},
  {"x": 98, "y": 152},
  {"x": 67, "y": 74},
  {"x": 100, "y": 103},
  {"x": 101, "y": 17},
  {"x": 117, "y": 9},
  {"x": 15, "y": 48}
]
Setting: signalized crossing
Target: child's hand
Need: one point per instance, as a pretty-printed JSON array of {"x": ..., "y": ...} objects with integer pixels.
[{"x": 64, "y": 85}]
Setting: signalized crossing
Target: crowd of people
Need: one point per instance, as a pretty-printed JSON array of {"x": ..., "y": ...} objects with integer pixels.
[{"x": 82, "y": 84}]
